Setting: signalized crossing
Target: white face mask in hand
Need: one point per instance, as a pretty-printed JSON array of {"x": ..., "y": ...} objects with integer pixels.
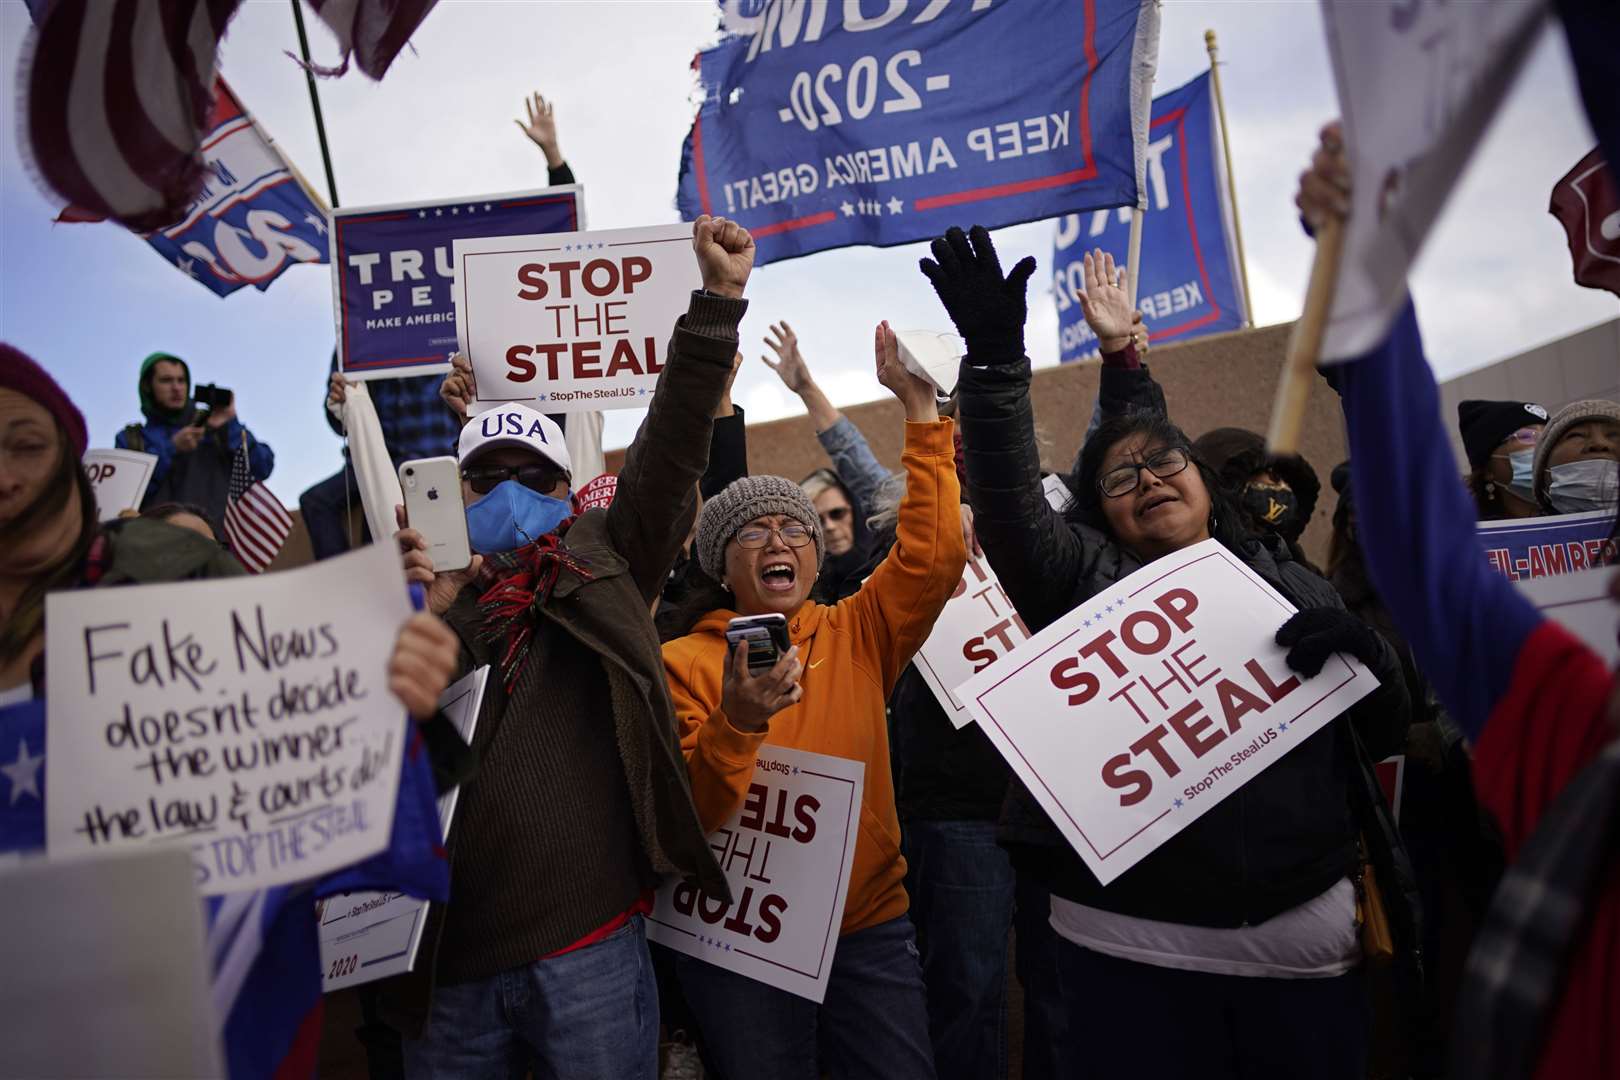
[{"x": 1588, "y": 484}]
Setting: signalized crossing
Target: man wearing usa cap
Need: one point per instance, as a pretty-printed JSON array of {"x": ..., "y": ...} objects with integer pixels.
[{"x": 581, "y": 801}]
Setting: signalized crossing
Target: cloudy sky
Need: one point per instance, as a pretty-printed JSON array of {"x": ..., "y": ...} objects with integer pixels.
[{"x": 90, "y": 300}]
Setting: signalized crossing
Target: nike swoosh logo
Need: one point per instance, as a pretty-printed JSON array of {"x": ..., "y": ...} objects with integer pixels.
[{"x": 818, "y": 663}]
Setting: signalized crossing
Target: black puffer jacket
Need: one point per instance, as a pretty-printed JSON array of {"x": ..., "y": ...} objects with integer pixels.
[{"x": 1283, "y": 838}]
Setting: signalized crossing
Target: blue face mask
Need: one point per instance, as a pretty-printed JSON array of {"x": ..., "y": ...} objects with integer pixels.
[
  {"x": 1523, "y": 463},
  {"x": 511, "y": 516}
]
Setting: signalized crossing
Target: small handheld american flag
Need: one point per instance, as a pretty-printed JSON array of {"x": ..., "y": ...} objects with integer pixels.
[{"x": 256, "y": 524}]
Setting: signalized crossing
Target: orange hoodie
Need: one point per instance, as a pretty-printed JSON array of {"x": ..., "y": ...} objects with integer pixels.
[{"x": 852, "y": 653}]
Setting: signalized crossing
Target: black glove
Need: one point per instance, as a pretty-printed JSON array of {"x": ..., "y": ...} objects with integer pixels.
[
  {"x": 986, "y": 305},
  {"x": 1313, "y": 635}
]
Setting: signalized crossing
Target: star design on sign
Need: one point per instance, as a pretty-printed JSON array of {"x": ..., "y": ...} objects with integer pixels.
[
  {"x": 316, "y": 222},
  {"x": 1283, "y": 726},
  {"x": 421, "y": 213},
  {"x": 847, "y": 208},
  {"x": 1087, "y": 622},
  {"x": 472, "y": 209},
  {"x": 455, "y": 210},
  {"x": 184, "y": 265},
  {"x": 438, "y": 212},
  {"x": 486, "y": 208},
  {"x": 23, "y": 773},
  {"x": 1178, "y": 804},
  {"x": 895, "y": 206}
]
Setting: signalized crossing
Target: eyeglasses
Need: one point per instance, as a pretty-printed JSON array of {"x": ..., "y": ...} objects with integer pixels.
[
  {"x": 756, "y": 536},
  {"x": 837, "y": 513},
  {"x": 484, "y": 478},
  {"x": 1529, "y": 436},
  {"x": 1162, "y": 463}
]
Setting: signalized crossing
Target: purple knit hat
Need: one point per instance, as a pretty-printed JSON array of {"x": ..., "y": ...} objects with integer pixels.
[{"x": 19, "y": 372}]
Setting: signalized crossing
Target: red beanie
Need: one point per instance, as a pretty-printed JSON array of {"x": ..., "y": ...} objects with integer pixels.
[{"x": 19, "y": 372}]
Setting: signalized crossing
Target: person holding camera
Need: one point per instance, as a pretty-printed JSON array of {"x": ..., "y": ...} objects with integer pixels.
[
  {"x": 195, "y": 437},
  {"x": 761, "y": 545}
]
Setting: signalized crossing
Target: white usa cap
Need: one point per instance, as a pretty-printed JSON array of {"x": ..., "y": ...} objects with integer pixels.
[{"x": 514, "y": 425}]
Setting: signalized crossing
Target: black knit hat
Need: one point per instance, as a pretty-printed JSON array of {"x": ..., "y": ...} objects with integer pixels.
[{"x": 1484, "y": 424}]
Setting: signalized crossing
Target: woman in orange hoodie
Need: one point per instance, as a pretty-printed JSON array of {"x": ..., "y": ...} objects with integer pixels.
[{"x": 761, "y": 540}]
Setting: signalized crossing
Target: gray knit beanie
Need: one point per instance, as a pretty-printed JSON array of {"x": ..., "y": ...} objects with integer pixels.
[
  {"x": 1575, "y": 412},
  {"x": 742, "y": 501}
]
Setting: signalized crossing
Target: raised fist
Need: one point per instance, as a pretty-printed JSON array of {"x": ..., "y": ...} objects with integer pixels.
[{"x": 725, "y": 255}]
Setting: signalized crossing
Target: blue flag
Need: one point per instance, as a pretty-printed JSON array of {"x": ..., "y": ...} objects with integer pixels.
[
  {"x": 1189, "y": 284},
  {"x": 825, "y": 125}
]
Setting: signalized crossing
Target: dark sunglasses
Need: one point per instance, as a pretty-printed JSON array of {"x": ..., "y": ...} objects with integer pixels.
[{"x": 484, "y": 478}]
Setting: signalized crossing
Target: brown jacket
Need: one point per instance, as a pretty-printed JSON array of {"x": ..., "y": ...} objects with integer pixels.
[{"x": 628, "y": 549}]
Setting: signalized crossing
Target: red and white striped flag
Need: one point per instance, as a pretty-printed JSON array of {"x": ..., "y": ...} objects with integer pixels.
[
  {"x": 256, "y": 524},
  {"x": 118, "y": 93}
]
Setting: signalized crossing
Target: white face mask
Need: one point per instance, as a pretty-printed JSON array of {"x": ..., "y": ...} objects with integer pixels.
[{"x": 1588, "y": 484}]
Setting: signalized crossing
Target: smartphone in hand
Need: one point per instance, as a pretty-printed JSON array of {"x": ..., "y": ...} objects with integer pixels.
[
  {"x": 764, "y": 636},
  {"x": 433, "y": 506}
]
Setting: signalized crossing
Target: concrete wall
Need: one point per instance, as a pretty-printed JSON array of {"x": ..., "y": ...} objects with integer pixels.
[{"x": 1218, "y": 381}]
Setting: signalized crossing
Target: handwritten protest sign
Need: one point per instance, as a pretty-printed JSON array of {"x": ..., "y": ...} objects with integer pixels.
[
  {"x": 1137, "y": 712},
  {"x": 977, "y": 625},
  {"x": 787, "y": 854},
  {"x": 367, "y": 936},
  {"x": 828, "y": 124},
  {"x": 119, "y": 478},
  {"x": 572, "y": 321},
  {"x": 247, "y": 719},
  {"x": 1523, "y": 549},
  {"x": 392, "y": 273}
]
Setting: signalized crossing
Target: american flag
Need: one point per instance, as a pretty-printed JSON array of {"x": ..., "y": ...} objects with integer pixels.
[
  {"x": 117, "y": 94},
  {"x": 256, "y": 524}
]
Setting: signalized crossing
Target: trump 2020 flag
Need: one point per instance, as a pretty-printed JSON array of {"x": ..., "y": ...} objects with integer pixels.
[
  {"x": 1188, "y": 284},
  {"x": 825, "y": 125}
]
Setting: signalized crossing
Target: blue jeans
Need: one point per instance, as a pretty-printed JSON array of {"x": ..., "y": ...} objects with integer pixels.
[
  {"x": 325, "y": 509},
  {"x": 1139, "y": 1020},
  {"x": 873, "y": 1023},
  {"x": 961, "y": 887},
  {"x": 590, "y": 1014}
]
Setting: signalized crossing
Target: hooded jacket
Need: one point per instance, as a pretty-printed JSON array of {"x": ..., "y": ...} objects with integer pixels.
[
  {"x": 203, "y": 476},
  {"x": 1237, "y": 454},
  {"x": 852, "y": 652},
  {"x": 1284, "y": 837}
]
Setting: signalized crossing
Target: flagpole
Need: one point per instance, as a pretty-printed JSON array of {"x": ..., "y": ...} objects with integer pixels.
[
  {"x": 1133, "y": 248},
  {"x": 1305, "y": 343},
  {"x": 315, "y": 102},
  {"x": 1231, "y": 181}
]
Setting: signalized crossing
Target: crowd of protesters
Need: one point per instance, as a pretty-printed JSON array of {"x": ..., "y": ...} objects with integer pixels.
[{"x": 621, "y": 727}]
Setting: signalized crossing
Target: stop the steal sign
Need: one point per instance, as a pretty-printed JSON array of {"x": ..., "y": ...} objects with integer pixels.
[{"x": 1141, "y": 709}]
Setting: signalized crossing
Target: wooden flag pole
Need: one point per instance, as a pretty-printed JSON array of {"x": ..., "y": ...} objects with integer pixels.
[
  {"x": 1305, "y": 343},
  {"x": 1133, "y": 248},
  {"x": 1231, "y": 181}
]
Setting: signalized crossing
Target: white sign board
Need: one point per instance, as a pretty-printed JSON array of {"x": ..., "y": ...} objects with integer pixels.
[
  {"x": 572, "y": 322},
  {"x": 787, "y": 854},
  {"x": 977, "y": 625},
  {"x": 371, "y": 935},
  {"x": 1137, "y": 712},
  {"x": 1581, "y": 602},
  {"x": 119, "y": 479},
  {"x": 1418, "y": 82},
  {"x": 247, "y": 719}
]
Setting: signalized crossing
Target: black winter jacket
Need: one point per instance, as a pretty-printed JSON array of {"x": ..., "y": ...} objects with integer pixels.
[{"x": 1283, "y": 838}]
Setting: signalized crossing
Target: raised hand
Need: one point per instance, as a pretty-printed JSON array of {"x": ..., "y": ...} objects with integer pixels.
[
  {"x": 913, "y": 391},
  {"x": 542, "y": 128},
  {"x": 458, "y": 390},
  {"x": 441, "y": 589},
  {"x": 790, "y": 366},
  {"x": 1324, "y": 188},
  {"x": 424, "y": 659},
  {"x": 725, "y": 255},
  {"x": 748, "y": 701},
  {"x": 987, "y": 306},
  {"x": 337, "y": 390},
  {"x": 1104, "y": 303}
]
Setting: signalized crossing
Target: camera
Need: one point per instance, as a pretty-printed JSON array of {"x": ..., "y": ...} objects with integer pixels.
[{"x": 211, "y": 397}]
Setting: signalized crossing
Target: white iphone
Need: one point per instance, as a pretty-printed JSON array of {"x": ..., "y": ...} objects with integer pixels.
[{"x": 433, "y": 507}]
